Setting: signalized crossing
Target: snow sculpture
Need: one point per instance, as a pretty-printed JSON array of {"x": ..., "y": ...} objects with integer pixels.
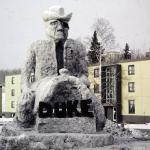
[{"x": 55, "y": 71}]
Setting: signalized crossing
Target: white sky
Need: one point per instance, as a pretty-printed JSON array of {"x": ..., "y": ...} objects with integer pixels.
[{"x": 21, "y": 23}]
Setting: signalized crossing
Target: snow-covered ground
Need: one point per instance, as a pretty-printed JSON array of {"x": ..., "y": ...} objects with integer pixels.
[
  {"x": 138, "y": 126},
  {"x": 128, "y": 126},
  {"x": 3, "y": 120}
]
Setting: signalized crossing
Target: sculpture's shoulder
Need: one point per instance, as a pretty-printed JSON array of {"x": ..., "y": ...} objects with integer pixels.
[
  {"x": 74, "y": 43},
  {"x": 41, "y": 44},
  {"x": 76, "y": 46}
]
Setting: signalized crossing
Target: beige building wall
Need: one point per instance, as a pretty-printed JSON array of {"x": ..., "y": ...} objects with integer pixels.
[
  {"x": 94, "y": 80},
  {"x": 141, "y": 78},
  {"x": 12, "y": 92}
]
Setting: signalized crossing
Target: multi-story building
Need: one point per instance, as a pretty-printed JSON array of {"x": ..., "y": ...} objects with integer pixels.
[
  {"x": 129, "y": 96},
  {"x": 12, "y": 93},
  {"x": 125, "y": 90}
]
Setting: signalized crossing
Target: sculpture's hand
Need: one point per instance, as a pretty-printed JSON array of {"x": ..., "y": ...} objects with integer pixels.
[
  {"x": 64, "y": 71},
  {"x": 27, "y": 94}
]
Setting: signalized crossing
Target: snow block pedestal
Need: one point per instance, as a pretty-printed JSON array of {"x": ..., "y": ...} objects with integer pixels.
[
  {"x": 66, "y": 125},
  {"x": 18, "y": 138}
]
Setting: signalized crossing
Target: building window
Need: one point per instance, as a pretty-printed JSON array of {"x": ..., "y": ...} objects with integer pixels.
[
  {"x": 131, "y": 104},
  {"x": 110, "y": 84},
  {"x": 131, "y": 87},
  {"x": 96, "y": 73},
  {"x": 131, "y": 70},
  {"x": 12, "y": 104},
  {"x": 13, "y": 80},
  {"x": 96, "y": 88},
  {"x": 12, "y": 92}
]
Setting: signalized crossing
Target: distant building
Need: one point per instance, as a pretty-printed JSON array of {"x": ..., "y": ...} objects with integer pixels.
[
  {"x": 112, "y": 56},
  {"x": 12, "y": 93}
]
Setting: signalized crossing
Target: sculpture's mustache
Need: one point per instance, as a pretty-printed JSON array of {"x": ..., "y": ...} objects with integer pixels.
[{"x": 60, "y": 30}]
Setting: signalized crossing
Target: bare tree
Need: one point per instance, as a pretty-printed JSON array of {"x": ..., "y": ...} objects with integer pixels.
[
  {"x": 137, "y": 54},
  {"x": 105, "y": 33},
  {"x": 87, "y": 42}
]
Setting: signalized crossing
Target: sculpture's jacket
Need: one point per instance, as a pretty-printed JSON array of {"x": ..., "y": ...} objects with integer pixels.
[{"x": 41, "y": 60}]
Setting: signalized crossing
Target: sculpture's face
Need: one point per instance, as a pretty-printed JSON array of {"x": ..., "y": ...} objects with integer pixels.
[{"x": 57, "y": 29}]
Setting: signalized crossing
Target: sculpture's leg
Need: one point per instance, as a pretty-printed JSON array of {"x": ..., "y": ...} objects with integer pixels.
[{"x": 24, "y": 115}]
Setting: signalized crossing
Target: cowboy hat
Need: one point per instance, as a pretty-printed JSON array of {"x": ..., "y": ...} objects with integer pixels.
[{"x": 56, "y": 12}]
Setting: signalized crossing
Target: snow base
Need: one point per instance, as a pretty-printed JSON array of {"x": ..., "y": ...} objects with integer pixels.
[{"x": 40, "y": 141}]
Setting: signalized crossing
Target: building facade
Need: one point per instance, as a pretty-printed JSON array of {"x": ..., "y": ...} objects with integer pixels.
[
  {"x": 125, "y": 91},
  {"x": 12, "y": 93},
  {"x": 111, "y": 91},
  {"x": 135, "y": 89},
  {"x": 95, "y": 79}
]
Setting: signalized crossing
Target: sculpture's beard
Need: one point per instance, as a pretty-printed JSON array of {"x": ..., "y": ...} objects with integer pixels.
[{"x": 58, "y": 36}]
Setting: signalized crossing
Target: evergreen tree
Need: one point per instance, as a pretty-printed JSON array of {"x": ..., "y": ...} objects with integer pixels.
[
  {"x": 95, "y": 50},
  {"x": 127, "y": 52}
]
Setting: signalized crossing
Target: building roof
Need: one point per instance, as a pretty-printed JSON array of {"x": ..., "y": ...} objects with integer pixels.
[
  {"x": 125, "y": 61},
  {"x": 120, "y": 61},
  {"x": 134, "y": 60}
]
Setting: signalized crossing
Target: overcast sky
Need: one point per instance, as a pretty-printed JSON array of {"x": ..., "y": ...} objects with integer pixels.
[{"x": 21, "y": 24}]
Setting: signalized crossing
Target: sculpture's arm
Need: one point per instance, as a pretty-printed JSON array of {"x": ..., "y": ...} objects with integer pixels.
[
  {"x": 25, "y": 102},
  {"x": 28, "y": 68}
]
